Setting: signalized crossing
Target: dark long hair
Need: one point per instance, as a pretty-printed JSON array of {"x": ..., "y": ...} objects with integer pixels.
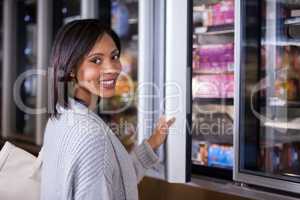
[{"x": 72, "y": 42}]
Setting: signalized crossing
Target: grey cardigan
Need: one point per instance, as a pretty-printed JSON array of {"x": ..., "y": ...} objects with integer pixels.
[{"x": 83, "y": 159}]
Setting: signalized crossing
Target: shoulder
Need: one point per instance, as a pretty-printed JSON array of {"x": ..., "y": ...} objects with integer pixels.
[
  {"x": 87, "y": 123},
  {"x": 80, "y": 133}
]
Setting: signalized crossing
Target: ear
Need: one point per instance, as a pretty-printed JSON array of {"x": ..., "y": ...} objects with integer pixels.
[{"x": 72, "y": 75}]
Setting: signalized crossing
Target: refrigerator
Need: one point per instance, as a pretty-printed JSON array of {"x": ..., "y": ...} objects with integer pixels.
[
  {"x": 266, "y": 138},
  {"x": 212, "y": 71},
  {"x": 136, "y": 106}
]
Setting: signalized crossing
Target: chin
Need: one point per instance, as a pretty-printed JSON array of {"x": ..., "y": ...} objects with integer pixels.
[{"x": 107, "y": 94}]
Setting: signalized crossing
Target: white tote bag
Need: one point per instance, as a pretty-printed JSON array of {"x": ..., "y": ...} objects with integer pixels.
[{"x": 19, "y": 174}]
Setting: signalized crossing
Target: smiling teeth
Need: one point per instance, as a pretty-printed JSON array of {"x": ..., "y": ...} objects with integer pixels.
[{"x": 107, "y": 82}]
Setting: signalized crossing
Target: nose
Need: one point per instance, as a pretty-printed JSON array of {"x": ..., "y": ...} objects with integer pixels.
[{"x": 112, "y": 67}]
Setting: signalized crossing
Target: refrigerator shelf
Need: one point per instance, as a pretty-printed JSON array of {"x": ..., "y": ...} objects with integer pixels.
[
  {"x": 280, "y": 103},
  {"x": 195, "y": 72},
  {"x": 213, "y": 138},
  {"x": 280, "y": 42},
  {"x": 292, "y": 124},
  {"x": 292, "y": 21},
  {"x": 215, "y": 30},
  {"x": 198, "y": 3},
  {"x": 222, "y": 101}
]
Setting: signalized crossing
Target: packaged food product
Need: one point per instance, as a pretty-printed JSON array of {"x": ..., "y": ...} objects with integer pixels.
[
  {"x": 220, "y": 155},
  {"x": 213, "y": 86},
  {"x": 287, "y": 89},
  {"x": 206, "y": 86},
  {"x": 199, "y": 152},
  {"x": 214, "y": 58},
  {"x": 223, "y": 12}
]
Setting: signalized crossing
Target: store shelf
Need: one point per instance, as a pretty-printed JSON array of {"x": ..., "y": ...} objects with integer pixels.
[
  {"x": 213, "y": 138},
  {"x": 292, "y": 21},
  {"x": 280, "y": 103},
  {"x": 287, "y": 104},
  {"x": 292, "y": 124},
  {"x": 215, "y": 30},
  {"x": 195, "y": 72},
  {"x": 222, "y": 101},
  {"x": 199, "y": 3},
  {"x": 288, "y": 42}
]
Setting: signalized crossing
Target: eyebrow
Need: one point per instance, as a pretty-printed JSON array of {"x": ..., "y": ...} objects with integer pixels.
[{"x": 101, "y": 54}]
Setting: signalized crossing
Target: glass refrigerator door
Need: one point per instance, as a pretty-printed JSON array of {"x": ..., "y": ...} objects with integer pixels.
[
  {"x": 212, "y": 87},
  {"x": 268, "y": 142},
  {"x": 120, "y": 111},
  {"x": 26, "y": 60}
]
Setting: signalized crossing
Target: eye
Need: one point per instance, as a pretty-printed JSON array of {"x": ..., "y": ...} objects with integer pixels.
[
  {"x": 115, "y": 57},
  {"x": 97, "y": 61}
]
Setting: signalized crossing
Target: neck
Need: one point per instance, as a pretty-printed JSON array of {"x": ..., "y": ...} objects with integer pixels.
[{"x": 89, "y": 100}]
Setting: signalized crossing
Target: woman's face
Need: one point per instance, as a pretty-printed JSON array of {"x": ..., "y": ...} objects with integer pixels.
[{"x": 100, "y": 69}]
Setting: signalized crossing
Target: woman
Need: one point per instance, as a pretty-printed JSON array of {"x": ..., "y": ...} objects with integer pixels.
[{"x": 83, "y": 159}]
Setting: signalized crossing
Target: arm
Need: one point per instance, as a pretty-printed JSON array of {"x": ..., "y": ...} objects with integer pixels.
[{"x": 143, "y": 156}]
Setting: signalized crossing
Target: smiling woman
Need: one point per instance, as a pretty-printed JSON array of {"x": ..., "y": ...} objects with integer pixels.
[
  {"x": 85, "y": 52},
  {"x": 82, "y": 157},
  {"x": 98, "y": 72}
]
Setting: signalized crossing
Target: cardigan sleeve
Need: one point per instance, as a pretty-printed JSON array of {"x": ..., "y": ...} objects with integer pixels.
[
  {"x": 100, "y": 190},
  {"x": 143, "y": 158},
  {"x": 91, "y": 182}
]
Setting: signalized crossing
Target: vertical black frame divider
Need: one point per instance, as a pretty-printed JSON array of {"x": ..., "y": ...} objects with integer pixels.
[
  {"x": 57, "y": 17},
  {"x": 21, "y": 44},
  {"x": 192, "y": 169},
  {"x": 189, "y": 91},
  {"x": 105, "y": 11}
]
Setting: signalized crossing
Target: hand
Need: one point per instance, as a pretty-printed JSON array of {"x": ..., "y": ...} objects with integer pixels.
[{"x": 160, "y": 132}]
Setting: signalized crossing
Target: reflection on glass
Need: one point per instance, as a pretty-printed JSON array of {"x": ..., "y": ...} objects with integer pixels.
[
  {"x": 272, "y": 93},
  {"x": 26, "y": 54},
  {"x": 213, "y": 83},
  {"x": 123, "y": 118},
  {"x": 70, "y": 10}
]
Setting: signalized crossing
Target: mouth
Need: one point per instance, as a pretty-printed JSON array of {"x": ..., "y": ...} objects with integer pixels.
[{"x": 108, "y": 83}]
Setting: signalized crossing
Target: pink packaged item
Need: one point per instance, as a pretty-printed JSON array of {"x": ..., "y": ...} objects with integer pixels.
[
  {"x": 217, "y": 58},
  {"x": 213, "y": 86},
  {"x": 206, "y": 86},
  {"x": 228, "y": 86},
  {"x": 223, "y": 12}
]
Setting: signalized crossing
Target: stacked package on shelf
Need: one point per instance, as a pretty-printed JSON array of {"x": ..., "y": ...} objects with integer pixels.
[
  {"x": 223, "y": 13},
  {"x": 213, "y": 86},
  {"x": 220, "y": 13},
  {"x": 214, "y": 58},
  {"x": 215, "y": 63}
]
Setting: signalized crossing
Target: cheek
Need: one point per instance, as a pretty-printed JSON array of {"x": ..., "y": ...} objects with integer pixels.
[
  {"x": 89, "y": 73},
  {"x": 118, "y": 66}
]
